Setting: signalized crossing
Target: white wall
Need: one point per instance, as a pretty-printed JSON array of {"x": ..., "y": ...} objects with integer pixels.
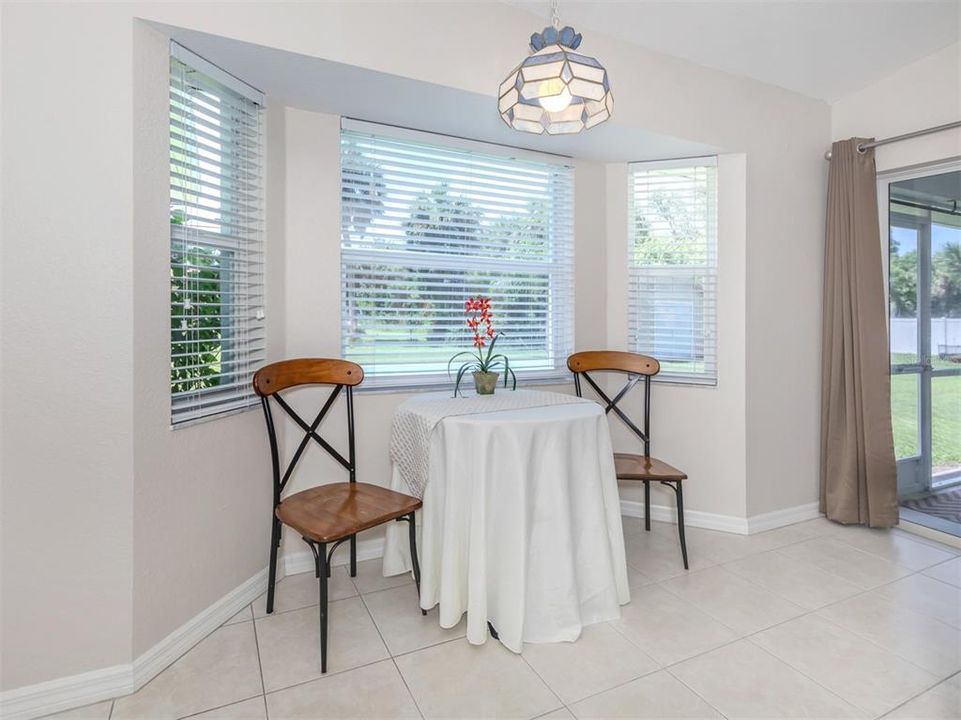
[
  {"x": 144, "y": 536},
  {"x": 924, "y": 94}
]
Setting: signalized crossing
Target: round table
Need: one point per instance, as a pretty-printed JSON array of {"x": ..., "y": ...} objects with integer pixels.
[{"x": 521, "y": 524}]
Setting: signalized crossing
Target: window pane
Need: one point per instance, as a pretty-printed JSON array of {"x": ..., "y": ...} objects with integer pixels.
[
  {"x": 945, "y": 429},
  {"x": 903, "y": 269},
  {"x": 217, "y": 336},
  {"x": 905, "y": 414},
  {"x": 672, "y": 261},
  {"x": 424, "y": 227}
]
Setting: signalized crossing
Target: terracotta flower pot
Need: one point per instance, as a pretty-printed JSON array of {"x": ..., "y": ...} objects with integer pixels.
[{"x": 485, "y": 382}]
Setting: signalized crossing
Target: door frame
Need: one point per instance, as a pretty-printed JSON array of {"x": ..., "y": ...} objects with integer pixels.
[{"x": 915, "y": 474}]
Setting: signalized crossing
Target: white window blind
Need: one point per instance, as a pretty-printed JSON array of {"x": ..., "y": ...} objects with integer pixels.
[
  {"x": 672, "y": 261},
  {"x": 427, "y": 224},
  {"x": 216, "y": 239}
]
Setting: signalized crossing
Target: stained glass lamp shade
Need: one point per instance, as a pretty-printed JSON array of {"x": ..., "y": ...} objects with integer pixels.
[{"x": 556, "y": 90}]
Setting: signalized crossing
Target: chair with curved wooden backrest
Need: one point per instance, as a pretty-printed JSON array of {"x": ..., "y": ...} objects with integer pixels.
[
  {"x": 643, "y": 468},
  {"x": 326, "y": 515}
]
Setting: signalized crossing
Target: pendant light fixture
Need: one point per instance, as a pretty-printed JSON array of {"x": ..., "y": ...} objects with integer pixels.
[{"x": 556, "y": 90}]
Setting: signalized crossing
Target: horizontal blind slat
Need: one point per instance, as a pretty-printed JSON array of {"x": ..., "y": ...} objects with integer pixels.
[
  {"x": 672, "y": 267},
  {"x": 426, "y": 226},
  {"x": 217, "y": 334}
]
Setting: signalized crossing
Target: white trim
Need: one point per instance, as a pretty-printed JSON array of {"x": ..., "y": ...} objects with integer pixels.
[
  {"x": 217, "y": 73},
  {"x": 692, "y": 518},
  {"x": 161, "y": 655},
  {"x": 725, "y": 523},
  {"x": 66, "y": 693},
  {"x": 671, "y": 163},
  {"x": 373, "y": 129},
  {"x": 86, "y": 688},
  {"x": 780, "y": 518},
  {"x": 295, "y": 563}
]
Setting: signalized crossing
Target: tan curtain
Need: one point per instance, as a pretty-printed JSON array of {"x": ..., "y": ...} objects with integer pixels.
[{"x": 858, "y": 471}]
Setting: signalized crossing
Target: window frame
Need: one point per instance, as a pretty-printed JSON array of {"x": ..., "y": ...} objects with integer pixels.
[
  {"x": 561, "y": 271},
  {"x": 709, "y": 338}
]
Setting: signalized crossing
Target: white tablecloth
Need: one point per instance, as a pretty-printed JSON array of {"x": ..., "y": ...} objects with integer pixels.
[{"x": 521, "y": 525}]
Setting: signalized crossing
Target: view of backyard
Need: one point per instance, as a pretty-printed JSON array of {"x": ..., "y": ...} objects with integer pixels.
[{"x": 945, "y": 338}]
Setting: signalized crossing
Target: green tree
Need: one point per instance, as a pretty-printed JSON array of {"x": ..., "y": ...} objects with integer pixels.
[
  {"x": 903, "y": 282},
  {"x": 445, "y": 223}
]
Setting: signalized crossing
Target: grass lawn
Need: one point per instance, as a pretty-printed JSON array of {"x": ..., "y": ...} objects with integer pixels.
[{"x": 945, "y": 420}]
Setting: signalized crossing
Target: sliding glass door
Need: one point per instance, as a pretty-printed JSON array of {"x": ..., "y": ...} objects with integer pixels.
[{"x": 923, "y": 222}]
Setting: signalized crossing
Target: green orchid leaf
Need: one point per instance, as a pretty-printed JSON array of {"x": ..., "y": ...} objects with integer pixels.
[{"x": 451, "y": 361}]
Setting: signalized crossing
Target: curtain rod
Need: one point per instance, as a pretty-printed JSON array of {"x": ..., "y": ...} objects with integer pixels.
[{"x": 864, "y": 147}]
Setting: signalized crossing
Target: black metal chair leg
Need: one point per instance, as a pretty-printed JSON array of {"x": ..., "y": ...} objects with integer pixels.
[
  {"x": 272, "y": 572},
  {"x": 647, "y": 505},
  {"x": 353, "y": 556},
  {"x": 679, "y": 491},
  {"x": 412, "y": 528},
  {"x": 322, "y": 559}
]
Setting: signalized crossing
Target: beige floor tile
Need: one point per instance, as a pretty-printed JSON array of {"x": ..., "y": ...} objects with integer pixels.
[
  {"x": 659, "y": 695},
  {"x": 244, "y": 615},
  {"x": 743, "y": 681},
  {"x": 722, "y": 547},
  {"x": 370, "y": 577},
  {"x": 221, "y": 669},
  {"x": 668, "y": 628},
  {"x": 798, "y": 532},
  {"x": 926, "y": 642},
  {"x": 372, "y": 691},
  {"x": 460, "y": 680},
  {"x": 740, "y": 605},
  {"x": 398, "y": 618},
  {"x": 795, "y": 580},
  {"x": 927, "y": 596},
  {"x": 837, "y": 557},
  {"x": 97, "y": 711},
  {"x": 290, "y": 643},
  {"x": 252, "y": 709},
  {"x": 866, "y": 675},
  {"x": 559, "y": 714},
  {"x": 949, "y": 572},
  {"x": 895, "y": 547},
  {"x": 942, "y": 702},
  {"x": 303, "y": 590},
  {"x": 659, "y": 558},
  {"x": 600, "y": 659}
]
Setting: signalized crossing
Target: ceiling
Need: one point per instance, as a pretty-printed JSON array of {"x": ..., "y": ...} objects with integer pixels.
[
  {"x": 319, "y": 85},
  {"x": 823, "y": 49}
]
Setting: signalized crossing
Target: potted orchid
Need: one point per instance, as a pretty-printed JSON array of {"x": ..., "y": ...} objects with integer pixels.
[{"x": 484, "y": 365}]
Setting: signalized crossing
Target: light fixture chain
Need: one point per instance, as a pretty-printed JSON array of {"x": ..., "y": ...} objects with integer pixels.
[{"x": 555, "y": 20}]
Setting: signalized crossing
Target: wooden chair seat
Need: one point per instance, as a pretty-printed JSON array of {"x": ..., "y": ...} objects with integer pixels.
[
  {"x": 644, "y": 467},
  {"x": 328, "y": 513}
]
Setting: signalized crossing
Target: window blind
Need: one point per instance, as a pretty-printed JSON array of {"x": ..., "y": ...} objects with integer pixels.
[
  {"x": 217, "y": 334},
  {"x": 425, "y": 225},
  {"x": 672, "y": 262}
]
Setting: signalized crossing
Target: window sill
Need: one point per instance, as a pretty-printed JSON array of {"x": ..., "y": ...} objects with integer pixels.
[{"x": 449, "y": 385}]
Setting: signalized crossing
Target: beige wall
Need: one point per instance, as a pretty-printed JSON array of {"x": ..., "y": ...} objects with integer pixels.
[
  {"x": 924, "y": 94},
  {"x": 153, "y": 525}
]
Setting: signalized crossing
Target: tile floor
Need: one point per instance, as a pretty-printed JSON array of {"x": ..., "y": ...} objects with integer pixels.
[{"x": 812, "y": 620}]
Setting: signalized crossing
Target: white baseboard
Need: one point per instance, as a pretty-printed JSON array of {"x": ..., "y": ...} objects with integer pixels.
[
  {"x": 86, "y": 688},
  {"x": 149, "y": 665},
  {"x": 780, "y": 518},
  {"x": 66, "y": 693},
  {"x": 724, "y": 523},
  {"x": 295, "y": 563}
]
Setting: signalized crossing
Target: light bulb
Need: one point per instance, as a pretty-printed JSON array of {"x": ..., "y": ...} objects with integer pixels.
[{"x": 554, "y": 95}]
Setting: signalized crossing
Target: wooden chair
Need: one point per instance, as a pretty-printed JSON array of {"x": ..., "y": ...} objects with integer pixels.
[
  {"x": 331, "y": 514},
  {"x": 644, "y": 468}
]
